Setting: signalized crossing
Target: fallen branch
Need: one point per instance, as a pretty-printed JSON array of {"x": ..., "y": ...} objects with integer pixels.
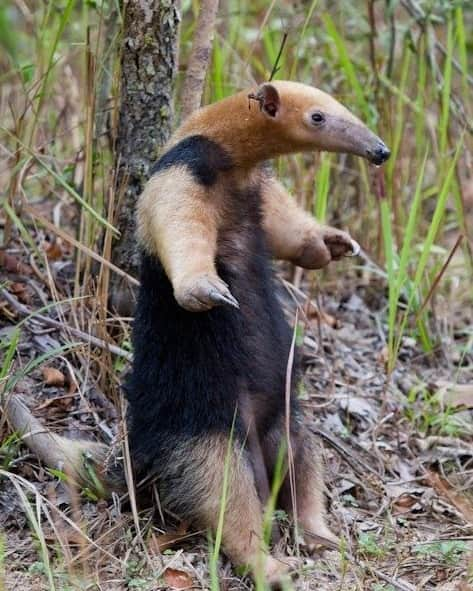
[
  {"x": 54, "y": 450},
  {"x": 349, "y": 455},
  {"x": 397, "y": 583}
]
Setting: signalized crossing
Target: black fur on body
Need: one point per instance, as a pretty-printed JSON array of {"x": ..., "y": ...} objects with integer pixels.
[{"x": 190, "y": 370}]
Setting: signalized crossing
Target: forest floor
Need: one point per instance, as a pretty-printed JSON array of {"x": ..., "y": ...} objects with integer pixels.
[{"x": 398, "y": 455}]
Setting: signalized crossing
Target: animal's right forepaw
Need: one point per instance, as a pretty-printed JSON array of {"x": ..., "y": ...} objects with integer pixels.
[{"x": 201, "y": 293}]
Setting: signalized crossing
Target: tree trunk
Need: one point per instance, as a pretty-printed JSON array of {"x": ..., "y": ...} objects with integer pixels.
[{"x": 148, "y": 66}]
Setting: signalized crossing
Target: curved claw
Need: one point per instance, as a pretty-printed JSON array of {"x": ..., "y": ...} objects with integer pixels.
[
  {"x": 220, "y": 298},
  {"x": 355, "y": 249}
]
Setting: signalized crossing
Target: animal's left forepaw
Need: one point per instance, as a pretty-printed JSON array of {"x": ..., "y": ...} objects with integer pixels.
[
  {"x": 326, "y": 244},
  {"x": 340, "y": 244}
]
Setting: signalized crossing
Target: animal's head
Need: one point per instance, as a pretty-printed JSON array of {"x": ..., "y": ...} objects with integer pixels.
[{"x": 303, "y": 118}]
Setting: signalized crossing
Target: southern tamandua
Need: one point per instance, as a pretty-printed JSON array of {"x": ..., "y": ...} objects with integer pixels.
[{"x": 208, "y": 325}]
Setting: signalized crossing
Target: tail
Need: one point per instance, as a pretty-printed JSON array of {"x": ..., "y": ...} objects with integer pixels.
[{"x": 84, "y": 462}]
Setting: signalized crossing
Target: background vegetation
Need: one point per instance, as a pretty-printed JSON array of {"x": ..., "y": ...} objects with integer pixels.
[{"x": 404, "y": 67}]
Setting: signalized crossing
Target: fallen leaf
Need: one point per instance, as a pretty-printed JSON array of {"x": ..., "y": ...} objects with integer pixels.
[
  {"x": 314, "y": 313},
  {"x": 177, "y": 579},
  {"x": 404, "y": 503},
  {"x": 455, "y": 394},
  {"x": 53, "y": 250},
  {"x": 53, "y": 377},
  {"x": 158, "y": 544},
  {"x": 383, "y": 356},
  {"x": 13, "y": 264},
  {"x": 361, "y": 407},
  {"x": 20, "y": 290},
  {"x": 461, "y": 502},
  {"x": 67, "y": 535},
  {"x": 62, "y": 403}
]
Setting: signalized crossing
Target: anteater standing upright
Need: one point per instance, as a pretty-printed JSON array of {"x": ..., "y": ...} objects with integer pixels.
[
  {"x": 211, "y": 344},
  {"x": 210, "y": 336}
]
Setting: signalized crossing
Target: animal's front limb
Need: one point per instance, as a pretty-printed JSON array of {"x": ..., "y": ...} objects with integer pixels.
[
  {"x": 179, "y": 225},
  {"x": 294, "y": 235}
]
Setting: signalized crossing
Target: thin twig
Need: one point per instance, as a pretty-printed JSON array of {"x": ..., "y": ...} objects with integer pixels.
[
  {"x": 420, "y": 17},
  {"x": 259, "y": 34},
  {"x": 29, "y": 486},
  {"x": 348, "y": 455},
  {"x": 87, "y": 338},
  {"x": 290, "y": 451},
  {"x": 401, "y": 585},
  {"x": 439, "y": 276},
  {"x": 71, "y": 240},
  {"x": 278, "y": 58}
]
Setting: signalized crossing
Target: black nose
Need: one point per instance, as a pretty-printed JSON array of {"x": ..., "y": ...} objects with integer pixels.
[{"x": 380, "y": 154}]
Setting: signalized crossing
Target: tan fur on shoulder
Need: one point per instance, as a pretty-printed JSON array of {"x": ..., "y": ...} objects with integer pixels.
[
  {"x": 175, "y": 218},
  {"x": 178, "y": 222}
]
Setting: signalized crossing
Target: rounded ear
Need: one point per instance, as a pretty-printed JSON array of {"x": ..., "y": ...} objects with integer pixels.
[{"x": 268, "y": 99}]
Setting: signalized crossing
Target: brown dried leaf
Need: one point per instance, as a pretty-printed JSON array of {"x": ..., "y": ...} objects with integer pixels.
[
  {"x": 20, "y": 290},
  {"x": 461, "y": 502},
  {"x": 314, "y": 313},
  {"x": 13, "y": 264},
  {"x": 66, "y": 534},
  {"x": 464, "y": 586},
  {"x": 53, "y": 250},
  {"x": 53, "y": 377},
  {"x": 61, "y": 403},
  {"x": 159, "y": 543},
  {"x": 383, "y": 356},
  {"x": 177, "y": 579},
  {"x": 404, "y": 503}
]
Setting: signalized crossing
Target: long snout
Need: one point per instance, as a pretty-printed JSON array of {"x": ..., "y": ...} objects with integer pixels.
[
  {"x": 353, "y": 137},
  {"x": 367, "y": 144}
]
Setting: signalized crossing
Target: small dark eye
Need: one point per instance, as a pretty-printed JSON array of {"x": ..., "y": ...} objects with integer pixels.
[{"x": 317, "y": 118}]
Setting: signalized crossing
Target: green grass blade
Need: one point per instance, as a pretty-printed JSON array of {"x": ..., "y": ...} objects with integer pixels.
[
  {"x": 322, "y": 187},
  {"x": 300, "y": 38},
  {"x": 399, "y": 116},
  {"x": 213, "y": 562},
  {"x": 7, "y": 362},
  {"x": 446, "y": 91},
  {"x": 428, "y": 242},
  {"x": 347, "y": 66}
]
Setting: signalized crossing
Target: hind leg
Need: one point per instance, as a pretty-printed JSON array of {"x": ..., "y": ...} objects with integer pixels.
[
  {"x": 308, "y": 476},
  {"x": 192, "y": 484}
]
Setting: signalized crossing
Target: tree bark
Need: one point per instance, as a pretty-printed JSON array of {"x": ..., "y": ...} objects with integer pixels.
[{"x": 148, "y": 67}]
